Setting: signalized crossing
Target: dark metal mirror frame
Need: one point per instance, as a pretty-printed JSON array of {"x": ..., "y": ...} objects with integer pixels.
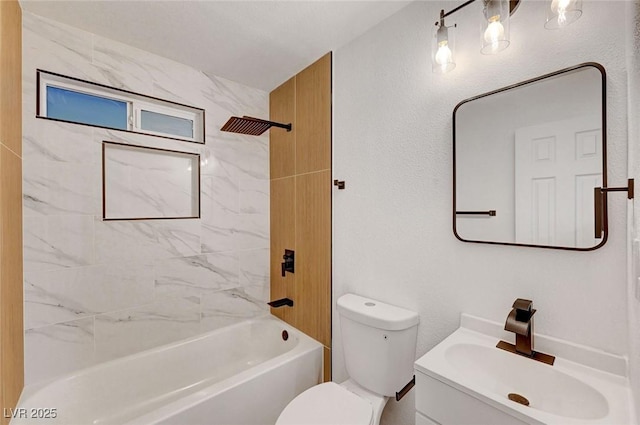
[{"x": 605, "y": 223}]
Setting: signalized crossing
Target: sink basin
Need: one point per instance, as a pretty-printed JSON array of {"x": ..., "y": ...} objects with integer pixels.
[
  {"x": 545, "y": 387},
  {"x": 467, "y": 373}
]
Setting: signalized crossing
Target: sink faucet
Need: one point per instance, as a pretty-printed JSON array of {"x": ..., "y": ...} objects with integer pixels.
[{"x": 520, "y": 321}]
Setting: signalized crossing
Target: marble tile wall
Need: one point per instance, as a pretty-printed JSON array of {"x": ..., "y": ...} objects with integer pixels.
[
  {"x": 148, "y": 183},
  {"x": 97, "y": 290}
]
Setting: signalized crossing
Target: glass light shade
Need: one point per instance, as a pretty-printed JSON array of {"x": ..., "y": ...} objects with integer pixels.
[
  {"x": 561, "y": 13},
  {"x": 442, "y": 50},
  {"x": 495, "y": 26}
]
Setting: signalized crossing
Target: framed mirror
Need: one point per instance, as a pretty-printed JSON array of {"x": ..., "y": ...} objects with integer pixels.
[{"x": 527, "y": 158}]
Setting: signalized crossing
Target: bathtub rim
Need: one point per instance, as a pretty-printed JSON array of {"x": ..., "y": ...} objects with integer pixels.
[
  {"x": 305, "y": 345},
  {"x": 193, "y": 399}
]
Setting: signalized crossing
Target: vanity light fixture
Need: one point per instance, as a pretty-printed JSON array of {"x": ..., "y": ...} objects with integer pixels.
[
  {"x": 443, "y": 47},
  {"x": 495, "y": 32},
  {"x": 495, "y": 28}
]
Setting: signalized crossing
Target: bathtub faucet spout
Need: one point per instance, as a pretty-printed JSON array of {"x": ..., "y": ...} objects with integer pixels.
[{"x": 281, "y": 302}]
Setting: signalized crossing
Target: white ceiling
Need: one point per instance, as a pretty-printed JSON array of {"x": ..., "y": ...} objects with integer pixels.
[{"x": 257, "y": 43}]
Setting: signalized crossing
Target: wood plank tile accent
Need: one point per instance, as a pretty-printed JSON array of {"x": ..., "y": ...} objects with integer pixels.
[
  {"x": 313, "y": 117},
  {"x": 11, "y": 289},
  {"x": 282, "y": 237},
  {"x": 301, "y": 201},
  {"x": 11, "y": 73},
  {"x": 327, "y": 364},
  {"x": 11, "y": 300},
  {"x": 282, "y": 143},
  {"x": 312, "y": 292},
  {"x": 3, "y": 420}
]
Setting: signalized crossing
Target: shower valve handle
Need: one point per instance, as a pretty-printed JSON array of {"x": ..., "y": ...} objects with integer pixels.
[{"x": 288, "y": 265}]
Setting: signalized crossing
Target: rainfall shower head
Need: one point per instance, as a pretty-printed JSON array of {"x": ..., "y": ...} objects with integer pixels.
[{"x": 251, "y": 126}]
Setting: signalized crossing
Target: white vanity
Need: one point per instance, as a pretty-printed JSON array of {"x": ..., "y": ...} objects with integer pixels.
[{"x": 467, "y": 380}]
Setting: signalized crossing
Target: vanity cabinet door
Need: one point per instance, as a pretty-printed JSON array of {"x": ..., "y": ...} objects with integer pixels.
[{"x": 445, "y": 405}]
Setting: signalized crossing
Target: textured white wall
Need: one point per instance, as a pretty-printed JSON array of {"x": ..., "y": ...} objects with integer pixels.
[
  {"x": 98, "y": 290},
  {"x": 633, "y": 65},
  {"x": 392, "y": 144}
]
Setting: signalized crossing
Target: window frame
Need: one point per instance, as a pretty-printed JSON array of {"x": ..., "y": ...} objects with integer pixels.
[
  {"x": 135, "y": 102},
  {"x": 139, "y": 106}
]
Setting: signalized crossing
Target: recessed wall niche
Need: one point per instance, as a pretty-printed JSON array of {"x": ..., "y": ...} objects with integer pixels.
[{"x": 142, "y": 183}]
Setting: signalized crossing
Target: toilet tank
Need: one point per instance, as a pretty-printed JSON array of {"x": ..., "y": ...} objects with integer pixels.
[{"x": 379, "y": 343}]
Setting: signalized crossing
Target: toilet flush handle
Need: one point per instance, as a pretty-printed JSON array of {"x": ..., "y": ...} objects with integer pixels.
[{"x": 403, "y": 392}]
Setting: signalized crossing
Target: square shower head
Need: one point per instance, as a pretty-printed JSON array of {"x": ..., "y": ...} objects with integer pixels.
[{"x": 251, "y": 126}]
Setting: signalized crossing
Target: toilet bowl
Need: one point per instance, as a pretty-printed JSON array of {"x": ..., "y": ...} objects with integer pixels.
[
  {"x": 330, "y": 403},
  {"x": 379, "y": 342}
]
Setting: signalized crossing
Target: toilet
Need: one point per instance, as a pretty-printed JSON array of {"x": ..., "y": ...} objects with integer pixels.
[{"x": 379, "y": 344}]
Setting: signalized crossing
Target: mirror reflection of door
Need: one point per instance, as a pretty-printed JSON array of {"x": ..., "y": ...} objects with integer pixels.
[
  {"x": 557, "y": 165},
  {"x": 527, "y": 158}
]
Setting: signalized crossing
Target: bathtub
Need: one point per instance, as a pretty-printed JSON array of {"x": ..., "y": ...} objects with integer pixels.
[{"x": 242, "y": 374}]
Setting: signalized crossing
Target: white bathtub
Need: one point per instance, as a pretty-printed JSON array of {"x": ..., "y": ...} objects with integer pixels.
[{"x": 243, "y": 374}]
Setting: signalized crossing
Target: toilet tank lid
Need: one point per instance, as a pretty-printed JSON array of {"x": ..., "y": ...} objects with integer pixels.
[{"x": 376, "y": 314}]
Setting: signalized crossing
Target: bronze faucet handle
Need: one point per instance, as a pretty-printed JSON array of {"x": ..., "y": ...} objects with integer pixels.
[
  {"x": 522, "y": 304},
  {"x": 519, "y": 327},
  {"x": 524, "y": 315},
  {"x": 519, "y": 319}
]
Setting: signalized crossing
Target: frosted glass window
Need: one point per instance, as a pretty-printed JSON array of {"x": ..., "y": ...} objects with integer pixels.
[
  {"x": 83, "y": 102},
  {"x": 167, "y": 124},
  {"x": 69, "y": 105}
]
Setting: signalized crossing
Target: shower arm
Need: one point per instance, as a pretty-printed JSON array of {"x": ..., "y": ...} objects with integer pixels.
[{"x": 272, "y": 123}]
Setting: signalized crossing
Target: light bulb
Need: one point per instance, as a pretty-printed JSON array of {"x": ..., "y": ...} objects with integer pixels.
[
  {"x": 561, "y": 9},
  {"x": 562, "y": 13},
  {"x": 494, "y": 32},
  {"x": 444, "y": 55},
  {"x": 442, "y": 50}
]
